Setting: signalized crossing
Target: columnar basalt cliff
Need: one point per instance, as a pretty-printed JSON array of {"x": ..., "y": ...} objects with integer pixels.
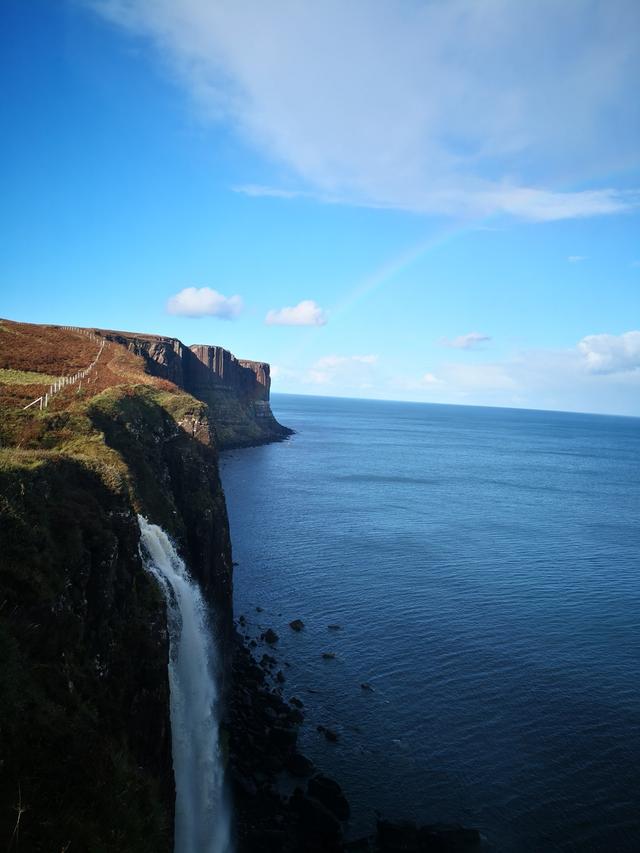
[
  {"x": 249, "y": 379},
  {"x": 236, "y": 391}
]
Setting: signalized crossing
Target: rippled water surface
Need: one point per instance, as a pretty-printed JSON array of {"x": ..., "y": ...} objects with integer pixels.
[{"x": 483, "y": 565}]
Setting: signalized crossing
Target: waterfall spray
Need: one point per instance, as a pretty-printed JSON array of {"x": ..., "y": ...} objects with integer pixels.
[{"x": 202, "y": 814}]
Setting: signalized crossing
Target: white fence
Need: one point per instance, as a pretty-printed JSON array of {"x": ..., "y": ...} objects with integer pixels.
[{"x": 61, "y": 383}]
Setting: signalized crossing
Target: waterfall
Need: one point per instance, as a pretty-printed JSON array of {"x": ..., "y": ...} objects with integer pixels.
[{"x": 202, "y": 823}]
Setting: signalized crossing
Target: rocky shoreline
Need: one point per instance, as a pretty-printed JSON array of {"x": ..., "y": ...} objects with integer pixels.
[{"x": 282, "y": 802}]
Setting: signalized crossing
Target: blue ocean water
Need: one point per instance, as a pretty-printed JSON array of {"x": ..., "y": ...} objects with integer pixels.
[{"x": 484, "y": 567}]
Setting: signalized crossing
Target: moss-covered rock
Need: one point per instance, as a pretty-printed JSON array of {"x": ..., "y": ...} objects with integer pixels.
[{"x": 85, "y": 758}]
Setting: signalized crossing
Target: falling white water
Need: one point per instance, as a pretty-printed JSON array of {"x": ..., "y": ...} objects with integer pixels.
[{"x": 202, "y": 815}]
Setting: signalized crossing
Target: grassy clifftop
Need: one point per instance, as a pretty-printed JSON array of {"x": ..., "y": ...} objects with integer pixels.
[{"x": 84, "y": 717}]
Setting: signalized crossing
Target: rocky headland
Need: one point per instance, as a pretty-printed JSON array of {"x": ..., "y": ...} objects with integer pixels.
[
  {"x": 236, "y": 391},
  {"x": 85, "y": 735}
]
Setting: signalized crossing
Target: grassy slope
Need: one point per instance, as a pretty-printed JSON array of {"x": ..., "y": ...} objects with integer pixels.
[{"x": 81, "y": 625}]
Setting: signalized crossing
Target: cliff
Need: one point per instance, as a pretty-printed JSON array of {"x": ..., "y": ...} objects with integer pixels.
[
  {"x": 85, "y": 746},
  {"x": 85, "y": 736},
  {"x": 236, "y": 391}
]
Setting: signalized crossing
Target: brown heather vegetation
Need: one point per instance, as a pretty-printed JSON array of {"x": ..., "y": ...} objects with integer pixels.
[{"x": 54, "y": 351}]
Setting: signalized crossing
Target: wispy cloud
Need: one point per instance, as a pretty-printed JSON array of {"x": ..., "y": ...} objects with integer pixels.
[
  {"x": 348, "y": 370},
  {"x": 568, "y": 379},
  {"x": 596, "y": 374},
  {"x": 576, "y": 259},
  {"x": 459, "y": 108},
  {"x": 204, "y": 302},
  {"x": 260, "y": 191},
  {"x": 331, "y": 361},
  {"x": 473, "y": 340},
  {"x": 305, "y": 313}
]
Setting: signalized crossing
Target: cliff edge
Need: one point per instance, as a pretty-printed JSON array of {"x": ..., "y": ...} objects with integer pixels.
[
  {"x": 133, "y": 427},
  {"x": 237, "y": 391}
]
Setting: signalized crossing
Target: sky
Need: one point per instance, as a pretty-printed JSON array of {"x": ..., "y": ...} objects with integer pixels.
[{"x": 429, "y": 200}]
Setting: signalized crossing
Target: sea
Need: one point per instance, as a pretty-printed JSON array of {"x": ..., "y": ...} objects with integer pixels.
[{"x": 480, "y": 569}]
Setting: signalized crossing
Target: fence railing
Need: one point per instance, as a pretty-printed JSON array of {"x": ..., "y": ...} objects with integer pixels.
[{"x": 61, "y": 383}]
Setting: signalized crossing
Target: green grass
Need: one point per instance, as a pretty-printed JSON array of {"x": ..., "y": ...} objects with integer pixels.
[{"x": 25, "y": 377}]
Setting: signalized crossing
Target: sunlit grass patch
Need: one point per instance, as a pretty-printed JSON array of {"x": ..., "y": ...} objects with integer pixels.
[{"x": 25, "y": 377}]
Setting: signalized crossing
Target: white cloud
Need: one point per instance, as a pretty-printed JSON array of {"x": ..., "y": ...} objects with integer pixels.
[
  {"x": 348, "y": 370},
  {"x": 305, "y": 313},
  {"x": 430, "y": 379},
  {"x": 537, "y": 379},
  {"x": 576, "y": 259},
  {"x": 204, "y": 302},
  {"x": 461, "y": 108},
  {"x": 480, "y": 377},
  {"x": 611, "y": 353},
  {"x": 473, "y": 340}
]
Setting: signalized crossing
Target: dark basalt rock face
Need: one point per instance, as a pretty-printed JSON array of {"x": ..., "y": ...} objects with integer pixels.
[
  {"x": 236, "y": 391},
  {"x": 85, "y": 740},
  {"x": 329, "y": 793}
]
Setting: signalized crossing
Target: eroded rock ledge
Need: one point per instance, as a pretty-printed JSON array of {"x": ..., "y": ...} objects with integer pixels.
[{"x": 237, "y": 391}]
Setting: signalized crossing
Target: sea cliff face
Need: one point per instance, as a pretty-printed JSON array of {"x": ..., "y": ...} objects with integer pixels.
[
  {"x": 85, "y": 741},
  {"x": 236, "y": 391}
]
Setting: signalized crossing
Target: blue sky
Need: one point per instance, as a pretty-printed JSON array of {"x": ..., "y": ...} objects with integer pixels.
[{"x": 429, "y": 201}]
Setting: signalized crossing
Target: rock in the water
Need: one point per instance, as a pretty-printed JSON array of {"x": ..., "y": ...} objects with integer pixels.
[
  {"x": 329, "y": 793},
  {"x": 258, "y": 609},
  {"x": 316, "y": 820},
  {"x": 284, "y": 738},
  {"x": 268, "y": 660},
  {"x": 329, "y": 655},
  {"x": 299, "y": 765},
  {"x": 280, "y": 677},
  {"x": 270, "y": 636},
  {"x": 366, "y": 686},
  {"x": 328, "y": 733},
  {"x": 334, "y": 627},
  {"x": 296, "y": 716},
  {"x": 297, "y": 702},
  {"x": 297, "y": 625}
]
